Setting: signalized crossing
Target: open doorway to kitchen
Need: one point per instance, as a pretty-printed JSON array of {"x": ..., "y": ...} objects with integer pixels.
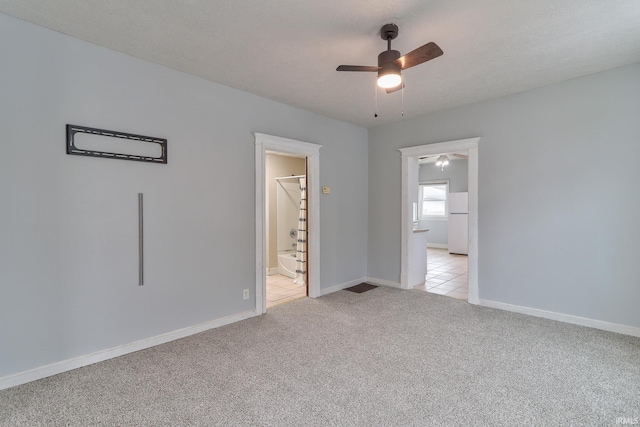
[
  {"x": 298, "y": 186},
  {"x": 443, "y": 185},
  {"x": 413, "y": 267}
]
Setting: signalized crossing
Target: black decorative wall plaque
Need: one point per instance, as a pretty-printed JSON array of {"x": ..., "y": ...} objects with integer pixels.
[{"x": 147, "y": 149}]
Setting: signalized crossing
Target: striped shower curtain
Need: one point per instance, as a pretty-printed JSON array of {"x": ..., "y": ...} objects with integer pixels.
[{"x": 301, "y": 247}]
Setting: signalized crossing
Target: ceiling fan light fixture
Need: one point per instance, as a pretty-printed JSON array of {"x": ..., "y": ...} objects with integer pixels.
[
  {"x": 389, "y": 80},
  {"x": 442, "y": 161},
  {"x": 391, "y": 64},
  {"x": 389, "y": 76}
]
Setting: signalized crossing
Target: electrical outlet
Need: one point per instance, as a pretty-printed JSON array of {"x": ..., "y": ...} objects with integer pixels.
[
  {"x": 245, "y": 294},
  {"x": 326, "y": 190}
]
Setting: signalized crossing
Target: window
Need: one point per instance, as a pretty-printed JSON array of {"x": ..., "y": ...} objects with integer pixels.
[{"x": 433, "y": 200}]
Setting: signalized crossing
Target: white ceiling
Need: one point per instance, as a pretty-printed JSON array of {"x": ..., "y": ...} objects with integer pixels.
[{"x": 288, "y": 50}]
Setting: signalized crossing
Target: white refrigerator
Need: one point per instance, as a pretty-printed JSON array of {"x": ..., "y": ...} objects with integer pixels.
[{"x": 458, "y": 223}]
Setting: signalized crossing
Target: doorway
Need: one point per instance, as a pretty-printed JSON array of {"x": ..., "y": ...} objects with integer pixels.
[
  {"x": 443, "y": 184},
  {"x": 267, "y": 145},
  {"x": 410, "y": 169},
  {"x": 286, "y": 230}
]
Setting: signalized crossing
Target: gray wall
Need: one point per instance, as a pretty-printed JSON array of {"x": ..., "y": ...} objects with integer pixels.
[
  {"x": 68, "y": 224},
  {"x": 457, "y": 172},
  {"x": 558, "y": 194}
]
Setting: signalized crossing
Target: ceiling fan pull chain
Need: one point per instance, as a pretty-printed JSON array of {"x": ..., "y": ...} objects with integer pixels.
[
  {"x": 402, "y": 89},
  {"x": 375, "y": 87}
]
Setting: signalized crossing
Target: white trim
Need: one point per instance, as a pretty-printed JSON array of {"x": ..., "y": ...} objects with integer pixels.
[
  {"x": 473, "y": 296},
  {"x": 561, "y": 317},
  {"x": 272, "y": 271},
  {"x": 440, "y": 147},
  {"x": 409, "y": 158},
  {"x": 341, "y": 286},
  {"x": 438, "y": 245},
  {"x": 99, "y": 356},
  {"x": 265, "y": 143},
  {"x": 383, "y": 282}
]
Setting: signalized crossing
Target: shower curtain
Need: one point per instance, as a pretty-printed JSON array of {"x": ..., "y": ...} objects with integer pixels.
[{"x": 301, "y": 247}]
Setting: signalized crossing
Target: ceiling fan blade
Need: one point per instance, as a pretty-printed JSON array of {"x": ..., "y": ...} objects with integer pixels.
[
  {"x": 418, "y": 56},
  {"x": 394, "y": 89},
  {"x": 357, "y": 68}
]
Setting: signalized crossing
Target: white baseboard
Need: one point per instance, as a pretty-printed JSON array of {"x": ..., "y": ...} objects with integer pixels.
[
  {"x": 341, "y": 286},
  {"x": 561, "y": 317},
  {"x": 383, "y": 282},
  {"x": 272, "y": 271},
  {"x": 438, "y": 245},
  {"x": 88, "y": 359}
]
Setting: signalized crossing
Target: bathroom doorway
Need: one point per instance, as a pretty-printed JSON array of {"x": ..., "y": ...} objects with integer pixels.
[
  {"x": 286, "y": 228},
  {"x": 266, "y": 145}
]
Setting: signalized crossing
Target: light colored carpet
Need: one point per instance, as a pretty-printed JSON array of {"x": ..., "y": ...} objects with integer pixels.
[{"x": 381, "y": 358}]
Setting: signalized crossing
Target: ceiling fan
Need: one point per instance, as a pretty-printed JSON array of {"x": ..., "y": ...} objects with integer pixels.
[
  {"x": 442, "y": 159},
  {"x": 391, "y": 64}
]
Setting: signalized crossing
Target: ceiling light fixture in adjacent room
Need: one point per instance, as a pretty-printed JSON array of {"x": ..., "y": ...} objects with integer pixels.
[{"x": 443, "y": 161}]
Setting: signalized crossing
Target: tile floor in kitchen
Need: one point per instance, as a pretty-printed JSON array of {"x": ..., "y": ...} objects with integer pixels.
[{"x": 447, "y": 274}]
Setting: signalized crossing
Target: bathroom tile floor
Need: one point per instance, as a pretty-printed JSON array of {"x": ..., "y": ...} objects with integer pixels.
[
  {"x": 447, "y": 274},
  {"x": 281, "y": 289}
]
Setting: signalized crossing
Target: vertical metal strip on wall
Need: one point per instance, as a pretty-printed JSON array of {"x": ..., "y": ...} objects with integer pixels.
[{"x": 140, "y": 242}]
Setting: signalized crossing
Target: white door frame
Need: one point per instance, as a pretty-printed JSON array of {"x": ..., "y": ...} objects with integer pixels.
[
  {"x": 410, "y": 156},
  {"x": 312, "y": 153}
]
